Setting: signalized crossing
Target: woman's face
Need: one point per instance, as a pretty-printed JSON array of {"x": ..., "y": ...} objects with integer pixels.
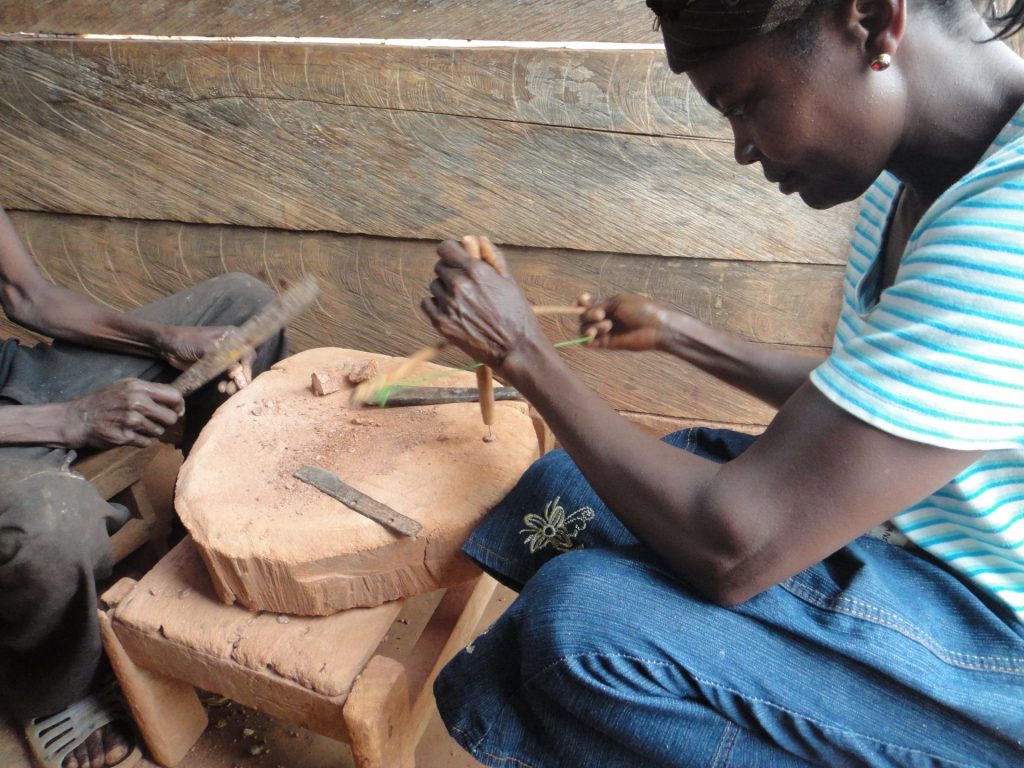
[{"x": 822, "y": 124}]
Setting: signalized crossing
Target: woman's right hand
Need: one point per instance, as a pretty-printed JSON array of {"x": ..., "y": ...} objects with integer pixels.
[
  {"x": 624, "y": 321},
  {"x": 127, "y": 412}
]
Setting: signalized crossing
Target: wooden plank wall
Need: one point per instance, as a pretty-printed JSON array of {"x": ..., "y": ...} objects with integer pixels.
[{"x": 133, "y": 167}]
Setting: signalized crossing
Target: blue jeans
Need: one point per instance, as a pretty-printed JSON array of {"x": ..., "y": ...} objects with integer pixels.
[{"x": 877, "y": 656}]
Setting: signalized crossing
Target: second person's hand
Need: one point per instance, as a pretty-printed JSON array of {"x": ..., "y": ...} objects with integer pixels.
[
  {"x": 183, "y": 345},
  {"x": 127, "y": 412}
]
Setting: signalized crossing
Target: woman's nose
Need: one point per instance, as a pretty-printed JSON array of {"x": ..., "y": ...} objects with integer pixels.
[{"x": 746, "y": 152}]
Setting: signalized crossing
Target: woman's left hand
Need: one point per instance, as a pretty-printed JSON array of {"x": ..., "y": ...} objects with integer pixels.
[
  {"x": 479, "y": 308},
  {"x": 181, "y": 346}
]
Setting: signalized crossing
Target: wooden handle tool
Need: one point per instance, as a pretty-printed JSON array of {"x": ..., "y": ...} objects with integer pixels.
[
  {"x": 368, "y": 390},
  {"x": 234, "y": 344},
  {"x": 557, "y": 309},
  {"x": 484, "y": 375}
]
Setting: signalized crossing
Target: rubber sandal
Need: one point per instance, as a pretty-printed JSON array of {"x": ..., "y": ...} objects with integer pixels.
[{"x": 55, "y": 737}]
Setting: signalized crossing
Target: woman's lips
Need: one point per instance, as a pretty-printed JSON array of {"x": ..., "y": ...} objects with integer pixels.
[{"x": 788, "y": 184}]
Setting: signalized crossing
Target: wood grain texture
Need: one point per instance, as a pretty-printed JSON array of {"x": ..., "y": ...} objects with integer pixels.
[
  {"x": 113, "y": 470},
  {"x": 618, "y": 21},
  {"x": 273, "y": 136},
  {"x": 167, "y": 712},
  {"x": 371, "y": 289},
  {"x": 595, "y": 20},
  {"x": 378, "y": 719},
  {"x": 663, "y": 425},
  {"x": 617, "y": 91}
]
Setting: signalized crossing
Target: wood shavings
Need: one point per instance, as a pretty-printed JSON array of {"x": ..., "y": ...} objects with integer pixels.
[
  {"x": 327, "y": 381},
  {"x": 264, "y": 408}
]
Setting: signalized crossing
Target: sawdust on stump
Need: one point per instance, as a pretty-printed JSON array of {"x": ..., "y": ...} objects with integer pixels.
[{"x": 272, "y": 542}]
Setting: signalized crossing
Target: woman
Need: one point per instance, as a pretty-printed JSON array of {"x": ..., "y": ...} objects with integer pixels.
[{"x": 721, "y": 605}]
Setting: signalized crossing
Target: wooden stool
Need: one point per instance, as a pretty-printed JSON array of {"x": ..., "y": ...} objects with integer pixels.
[
  {"x": 168, "y": 632},
  {"x": 117, "y": 475}
]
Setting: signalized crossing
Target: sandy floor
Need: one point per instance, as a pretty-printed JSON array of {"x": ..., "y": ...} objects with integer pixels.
[{"x": 239, "y": 737}]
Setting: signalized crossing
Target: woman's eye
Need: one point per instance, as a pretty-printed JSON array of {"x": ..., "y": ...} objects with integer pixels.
[{"x": 733, "y": 112}]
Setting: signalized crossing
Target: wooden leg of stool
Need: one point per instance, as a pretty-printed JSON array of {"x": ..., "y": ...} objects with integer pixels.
[
  {"x": 377, "y": 716},
  {"x": 167, "y": 712},
  {"x": 545, "y": 437},
  {"x": 449, "y": 630},
  {"x": 157, "y": 526}
]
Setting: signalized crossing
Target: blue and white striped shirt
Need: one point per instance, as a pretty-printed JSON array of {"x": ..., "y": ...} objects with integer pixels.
[{"x": 938, "y": 358}]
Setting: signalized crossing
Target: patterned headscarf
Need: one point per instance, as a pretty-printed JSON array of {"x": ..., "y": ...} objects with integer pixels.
[{"x": 698, "y": 29}]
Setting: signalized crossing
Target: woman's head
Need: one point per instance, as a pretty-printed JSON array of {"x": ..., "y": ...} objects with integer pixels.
[
  {"x": 697, "y": 30},
  {"x": 796, "y": 79}
]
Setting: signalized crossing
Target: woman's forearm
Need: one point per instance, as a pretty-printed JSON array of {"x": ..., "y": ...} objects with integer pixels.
[
  {"x": 656, "y": 490},
  {"x": 771, "y": 376}
]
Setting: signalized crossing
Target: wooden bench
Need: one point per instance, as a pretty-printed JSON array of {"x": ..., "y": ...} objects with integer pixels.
[{"x": 168, "y": 633}]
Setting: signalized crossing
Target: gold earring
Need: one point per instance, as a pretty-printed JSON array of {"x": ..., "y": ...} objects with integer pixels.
[{"x": 881, "y": 62}]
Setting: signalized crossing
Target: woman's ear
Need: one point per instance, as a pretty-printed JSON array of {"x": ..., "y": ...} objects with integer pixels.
[{"x": 877, "y": 24}]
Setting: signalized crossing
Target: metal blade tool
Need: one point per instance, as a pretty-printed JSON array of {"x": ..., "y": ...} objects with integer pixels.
[
  {"x": 443, "y": 395},
  {"x": 338, "y": 489}
]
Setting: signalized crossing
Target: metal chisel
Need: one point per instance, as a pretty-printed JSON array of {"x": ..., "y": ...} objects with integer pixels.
[
  {"x": 443, "y": 395},
  {"x": 338, "y": 489}
]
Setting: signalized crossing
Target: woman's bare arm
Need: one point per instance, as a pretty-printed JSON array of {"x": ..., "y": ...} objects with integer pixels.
[
  {"x": 814, "y": 481},
  {"x": 638, "y": 324}
]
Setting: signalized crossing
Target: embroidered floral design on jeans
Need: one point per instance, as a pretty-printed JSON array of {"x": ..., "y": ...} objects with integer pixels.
[{"x": 555, "y": 529}]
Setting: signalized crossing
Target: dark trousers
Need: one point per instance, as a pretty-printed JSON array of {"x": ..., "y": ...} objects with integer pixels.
[{"x": 54, "y": 543}]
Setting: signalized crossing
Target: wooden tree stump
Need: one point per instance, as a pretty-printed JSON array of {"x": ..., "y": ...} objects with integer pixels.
[{"x": 274, "y": 543}]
